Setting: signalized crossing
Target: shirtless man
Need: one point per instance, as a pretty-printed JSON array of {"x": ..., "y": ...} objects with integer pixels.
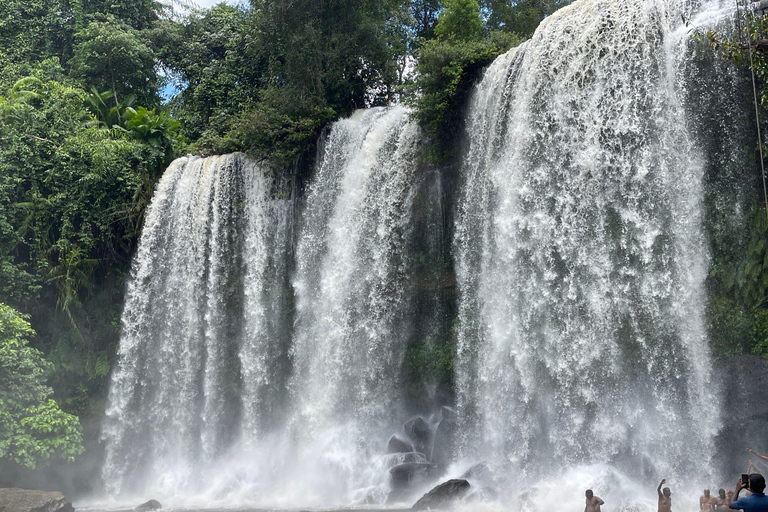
[
  {"x": 707, "y": 502},
  {"x": 593, "y": 502},
  {"x": 721, "y": 501},
  {"x": 665, "y": 498}
]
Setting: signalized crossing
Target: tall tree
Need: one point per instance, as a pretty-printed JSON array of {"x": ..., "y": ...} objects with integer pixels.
[
  {"x": 460, "y": 21},
  {"x": 111, "y": 55}
]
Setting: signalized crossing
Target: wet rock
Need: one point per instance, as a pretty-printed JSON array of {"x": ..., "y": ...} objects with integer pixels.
[
  {"x": 22, "y": 500},
  {"x": 405, "y": 477},
  {"x": 397, "y": 445},
  {"x": 448, "y": 413},
  {"x": 444, "y": 494},
  {"x": 444, "y": 444},
  {"x": 414, "y": 457},
  {"x": 149, "y": 505},
  {"x": 407, "y": 458},
  {"x": 420, "y": 433}
]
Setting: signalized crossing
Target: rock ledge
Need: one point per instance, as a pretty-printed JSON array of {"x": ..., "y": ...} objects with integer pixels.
[{"x": 22, "y": 500}]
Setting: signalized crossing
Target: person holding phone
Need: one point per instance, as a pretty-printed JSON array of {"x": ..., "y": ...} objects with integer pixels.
[{"x": 755, "y": 502}]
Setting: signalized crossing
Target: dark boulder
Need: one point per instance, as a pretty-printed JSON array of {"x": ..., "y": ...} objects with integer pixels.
[
  {"x": 420, "y": 433},
  {"x": 149, "y": 505},
  {"x": 444, "y": 494},
  {"x": 21, "y": 500},
  {"x": 397, "y": 445},
  {"x": 444, "y": 443},
  {"x": 405, "y": 477}
]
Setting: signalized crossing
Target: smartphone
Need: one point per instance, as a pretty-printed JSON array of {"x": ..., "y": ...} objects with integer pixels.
[{"x": 745, "y": 479}]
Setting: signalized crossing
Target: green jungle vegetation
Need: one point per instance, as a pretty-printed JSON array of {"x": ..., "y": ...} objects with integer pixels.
[
  {"x": 97, "y": 97},
  {"x": 737, "y": 307}
]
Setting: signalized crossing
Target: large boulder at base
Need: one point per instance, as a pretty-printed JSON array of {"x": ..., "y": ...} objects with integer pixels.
[
  {"x": 420, "y": 433},
  {"x": 21, "y": 500},
  {"x": 444, "y": 494},
  {"x": 149, "y": 505},
  {"x": 397, "y": 445}
]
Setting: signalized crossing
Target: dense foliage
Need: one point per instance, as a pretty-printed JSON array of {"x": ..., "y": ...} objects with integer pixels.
[
  {"x": 33, "y": 429},
  {"x": 738, "y": 283}
]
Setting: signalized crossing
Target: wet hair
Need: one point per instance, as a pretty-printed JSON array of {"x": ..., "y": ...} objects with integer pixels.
[
  {"x": 666, "y": 492},
  {"x": 721, "y": 492},
  {"x": 756, "y": 482},
  {"x": 589, "y": 493}
]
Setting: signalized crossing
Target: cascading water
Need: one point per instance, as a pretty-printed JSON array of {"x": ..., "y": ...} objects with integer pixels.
[
  {"x": 262, "y": 363},
  {"x": 581, "y": 254},
  {"x": 213, "y": 399},
  {"x": 352, "y": 301},
  {"x": 202, "y": 342}
]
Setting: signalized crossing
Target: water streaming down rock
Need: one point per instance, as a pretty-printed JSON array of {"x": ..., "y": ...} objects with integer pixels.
[
  {"x": 353, "y": 291},
  {"x": 203, "y": 326},
  {"x": 580, "y": 250}
]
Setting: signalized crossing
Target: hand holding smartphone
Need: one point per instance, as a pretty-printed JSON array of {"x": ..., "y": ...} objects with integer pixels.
[{"x": 745, "y": 480}]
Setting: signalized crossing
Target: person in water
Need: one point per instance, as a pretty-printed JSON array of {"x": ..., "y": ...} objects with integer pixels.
[
  {"x": 665, "y": 498},
  {"x": 593, "y": 502},
  {"x": 707, "y": 502},
  {"x": 721, "y": 501},
  {"x": 755, "y": 502}
]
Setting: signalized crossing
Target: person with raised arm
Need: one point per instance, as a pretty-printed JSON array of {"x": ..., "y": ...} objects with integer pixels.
[{"x": 665, "y": 497}]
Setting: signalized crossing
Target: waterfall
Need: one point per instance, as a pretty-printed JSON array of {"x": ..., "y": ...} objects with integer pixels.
[
  {"x": 581, "y": 254},
  {"x": 352, "y": 277},
  {"x": 202, "y": 340},
  {"x": 264, "y": 354},
  {"x": 222, "y": 392}
]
